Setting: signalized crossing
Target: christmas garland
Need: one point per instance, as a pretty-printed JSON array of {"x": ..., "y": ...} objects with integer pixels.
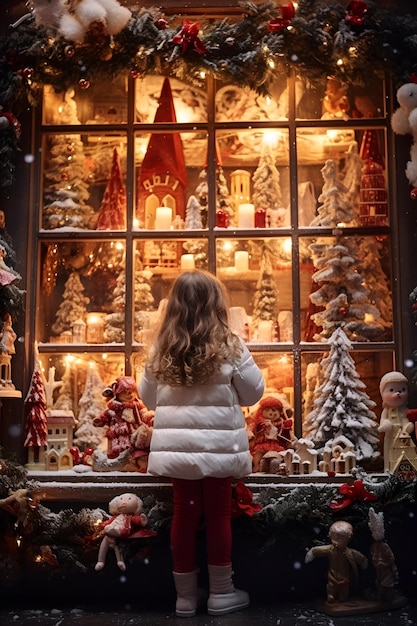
[
  {"x": 264, "y": 523},
  {"x": 351, "y": 41}
]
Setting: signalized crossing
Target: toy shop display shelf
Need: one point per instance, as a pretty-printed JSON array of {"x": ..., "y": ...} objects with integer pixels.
[{"x": 71, "y": 486}]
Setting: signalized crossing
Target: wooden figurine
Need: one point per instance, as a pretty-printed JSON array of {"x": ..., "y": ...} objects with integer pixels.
[{"x": 344, "y": 562}]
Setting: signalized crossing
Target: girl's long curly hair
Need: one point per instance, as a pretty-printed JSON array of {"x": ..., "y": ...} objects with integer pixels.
[{"x": 194, "y": 336}]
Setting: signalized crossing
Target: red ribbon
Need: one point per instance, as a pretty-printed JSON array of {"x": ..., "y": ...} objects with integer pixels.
[
  {"x": 242, "y": 501},
  {"x": 355, "y": 14},
  {"x": 287, "y": 13},
  {"x": 188, "y": 36},
  {"x": 352, "y": 492}
]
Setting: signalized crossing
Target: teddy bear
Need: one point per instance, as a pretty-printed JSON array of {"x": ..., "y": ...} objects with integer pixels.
[
  {"x": 403, "y": 122},
  {"x": 127, "y": 516}
]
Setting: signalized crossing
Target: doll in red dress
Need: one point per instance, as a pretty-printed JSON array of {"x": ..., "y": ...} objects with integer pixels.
[
  {"x": 127, "y": 517},
  {"x": 128, "y": 421},
  {"x": 271, "y": 431}
]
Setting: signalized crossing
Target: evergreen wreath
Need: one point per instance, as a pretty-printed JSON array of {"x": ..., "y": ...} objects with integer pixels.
[{"x": 351, "y": 41}]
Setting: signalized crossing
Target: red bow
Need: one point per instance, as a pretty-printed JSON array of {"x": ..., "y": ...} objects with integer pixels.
[
  {"x": 242, "y": 501},
  {"x": 188, "y": 36},
  {"x": 355, "y": 14},
  {"x": 86, "y": 458},
  {"x": 352, "y": 492},
  {"x": 287, "y": 13}
]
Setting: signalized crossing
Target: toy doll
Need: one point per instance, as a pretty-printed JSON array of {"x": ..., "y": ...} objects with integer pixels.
[
  {"x": 394, "y": 422},
  {"x": 343, "y": 573},
  {"x": 271, "y": 432},
  {"x": 127, "y": 516},
  {"x": 129, "y": 423}
]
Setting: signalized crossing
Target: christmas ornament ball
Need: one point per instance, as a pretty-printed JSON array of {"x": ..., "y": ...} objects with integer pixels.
[{"x": 84, "y": 83}]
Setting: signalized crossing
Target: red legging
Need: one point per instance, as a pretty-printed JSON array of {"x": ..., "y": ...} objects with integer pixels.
[{"x": 208, "y": 497}]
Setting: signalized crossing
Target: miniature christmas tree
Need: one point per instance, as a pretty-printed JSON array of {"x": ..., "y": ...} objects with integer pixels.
[
  {"x": 371, "y": 253},
  {"x": 112, "y": 212},
  {"x": 341, "y": 407},
  {"x": 265, "y": 306},
  {"x": 65, "y": 400},
  {"x": 335, "y": 208},
  {"x": 91, "y": 404},
  {"x": 224, "y": 201},
  {"x": 267, "y": 189},
  {"x": 144, "y": 300},
  {"x": 114, "y": 331},
  {"x": 193, "y": 217},
  {"x": 36, "y": 419},
  {"x": 73, "y": 306},
  {"x": 342, "y": 294},
  {"x": 65, "y": 187},
  {"x": 352, "y": 181}
]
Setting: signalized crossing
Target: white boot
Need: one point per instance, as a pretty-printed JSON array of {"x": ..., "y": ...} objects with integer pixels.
[
  {"x": 187, "y": 593},
  {"x": 224, "y": 598}
]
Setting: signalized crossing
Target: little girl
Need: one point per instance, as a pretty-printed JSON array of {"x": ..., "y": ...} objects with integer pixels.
[{"x": 197, "y": 377}]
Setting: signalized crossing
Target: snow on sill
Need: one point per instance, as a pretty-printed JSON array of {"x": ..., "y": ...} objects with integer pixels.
[{"x": 93, "y": 487}]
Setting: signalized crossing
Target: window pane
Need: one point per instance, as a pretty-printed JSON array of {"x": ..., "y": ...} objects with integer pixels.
[
  {"x": 189, "y": 102},
  {"x": 102, "y": 102},
  {"x": 84, "y": 185}
]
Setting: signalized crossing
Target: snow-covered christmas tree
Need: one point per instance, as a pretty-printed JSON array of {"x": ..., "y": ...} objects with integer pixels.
[
  {"x": 36, "y": 419},
  {"x": 112, "y": 211},
  {"x": 342, "y": 296},
  {"x": 267, "y": 189},
  {"x": 91, "y": 404},
  {"x": 371, "y": 253},
  {"x": 341, "y": 407},
  {"x": 114, "y": 323},
  {"x": 73, "y": 305},
  {"x": 197, "y": 205},
  {"x": 114, "y": 330},
  {"x": 352, "y": 177},
  {"x": 336, "y": 207},
  {"x": 193, "y": 214},
  {"x": 265, "y": 304},
  {"x": 65, "y": 186}
]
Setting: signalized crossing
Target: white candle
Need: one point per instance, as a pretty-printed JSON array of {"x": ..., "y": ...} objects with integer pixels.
[
  {"x": 265, "y": 331},
  {"x": 246, "y": 216},
  {"x": 187, "y": 262},
  {"x": 242, "y": 261},
  {"x": 95, "y": 328},
  {"x": 163, "y": 218}
]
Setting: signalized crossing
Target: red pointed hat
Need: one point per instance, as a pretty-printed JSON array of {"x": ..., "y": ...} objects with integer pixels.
[{"x": 164, "y": 155}]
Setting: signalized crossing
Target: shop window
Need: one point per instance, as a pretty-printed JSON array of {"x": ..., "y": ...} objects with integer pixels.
[{"x": 285, "y": 198}]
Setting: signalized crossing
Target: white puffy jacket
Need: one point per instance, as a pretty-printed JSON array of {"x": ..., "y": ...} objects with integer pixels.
[{"x": 200, "y": 431}]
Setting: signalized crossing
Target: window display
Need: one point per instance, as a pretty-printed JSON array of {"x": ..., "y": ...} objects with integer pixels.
[{"x": 282, "y": 204}]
